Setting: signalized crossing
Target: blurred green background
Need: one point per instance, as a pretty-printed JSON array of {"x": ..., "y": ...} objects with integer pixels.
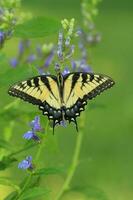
[{"x": 106, "y": 161}]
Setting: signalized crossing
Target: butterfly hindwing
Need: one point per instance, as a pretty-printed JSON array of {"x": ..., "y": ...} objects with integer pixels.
[
  {"x": 42, "y": 91},
  {"x": 79, "y": 87}
]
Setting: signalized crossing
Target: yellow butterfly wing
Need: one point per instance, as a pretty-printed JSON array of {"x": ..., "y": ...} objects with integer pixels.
[
  {"x": 42, "y": 91},
  {"x": 79, "y": 87}
]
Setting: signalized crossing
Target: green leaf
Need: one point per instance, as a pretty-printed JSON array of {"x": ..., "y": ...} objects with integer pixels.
[
  {"x": 48, "y": 171},
  {"x": 5, "y": 145},
  {"x": 37, "y": 27},
  {"x": 33, "y": 193},
  {"x": 6, "y": 181},
  {"x": 11, "y": 196},
  {"x": 10, "y": 76},
  {"x": 6, "y": 162}
]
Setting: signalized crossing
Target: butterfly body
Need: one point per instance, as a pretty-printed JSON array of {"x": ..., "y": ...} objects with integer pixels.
[{"x": 61, "y": 97}]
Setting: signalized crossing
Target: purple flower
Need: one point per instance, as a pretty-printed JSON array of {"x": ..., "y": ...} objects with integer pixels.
[
  {"x": 26, "y": 164},
  {"x": 28, "y": 135},
  {"x": 70, "y": 52},
  {"x": 2, "y": 38},
  {"x": 49, "y": 59},
  {"x": 83, "y": 50},
  {"x": 79, "y": 32},
  {"x": 14, "y": 62},
  {"x": 39, "y": 50},
  {"x": 73, "y": 64},
  {"x": 57, "y": 67},
  {"x": 66, "y": 71},
  {"x": 31, "y": 135},
  {"x": 60, "y": 44},
  {"x": 67, "y": 42},
  {"x": 21, "y": 47},
  {"x": 40, "y": 70},
  {"x": 81, "y": 66},
  {"x": 35, "y": 124},
  {"x": 84, "y": 67},
  {"x": 62, "y": 123},
  {"x": 31, "y": 58}
]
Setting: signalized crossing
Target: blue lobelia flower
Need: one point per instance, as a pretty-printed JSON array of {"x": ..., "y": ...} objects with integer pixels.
[
  {"x": 66, "y": 71},
  {"x": 35, "y": 124},
  {"x": 49, "y": 59},
  {"x": 62, "y": 123},
  {"x": 81, "y": 66},
  {"x": 2, "y": 38},
  {"x": 31, "y": 135},
  {"x": 31, "y": 58},
  {"x": 14, "y": 62},
  {"x": 26, "y": 164},
  {"x": 21, "y": 47},
  {"x": 28, "y": 135}
]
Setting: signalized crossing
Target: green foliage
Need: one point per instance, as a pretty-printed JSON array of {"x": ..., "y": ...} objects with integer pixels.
[
  {"x": 37, "y": 27},
  {"x": 14, "y": 111},
  {"x": 15, "y": 75},
  {"x": 8, "y": 182},
  {"x": 34, "y": 193},
  {"x": 48, "y": 171},
  {"x": 11, "y": 196},
  {"x": 6, "y": 145},
  {"x": 89, "y": 9},
  {"x": 6, "y": 162},
  {"x": 10, "y": 3}
]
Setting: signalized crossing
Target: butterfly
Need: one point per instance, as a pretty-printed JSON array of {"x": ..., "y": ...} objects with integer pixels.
[{"x": 61, "y": 97}]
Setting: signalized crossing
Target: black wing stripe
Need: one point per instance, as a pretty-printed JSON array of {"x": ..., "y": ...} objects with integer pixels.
[
  {"x": 105, "y": 85},
  {"x": 36, "y": 81},
  {"x": 47, "y": 84},
  {"x": 84, "y": 79},
  {"x": 29, "y": 83},
  {"x": 16, "y": 93},
  {"x": 75, "y": 77}
]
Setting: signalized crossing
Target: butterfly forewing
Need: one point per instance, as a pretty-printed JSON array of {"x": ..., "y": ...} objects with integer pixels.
[
  {"x": 40, "y": 90},
  {"x": 78, "y": 87}
]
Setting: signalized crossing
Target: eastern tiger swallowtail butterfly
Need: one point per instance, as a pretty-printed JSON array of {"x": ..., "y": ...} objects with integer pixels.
[{"x": 61, "y": 97}]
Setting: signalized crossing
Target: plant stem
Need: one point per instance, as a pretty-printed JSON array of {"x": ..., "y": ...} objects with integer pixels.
[
  {"x": 23, "y": 149},
  {"x": 41, "y": 144},
  {"x": 24, "y": 187},
  {"x": 27, "y": 181},
  {"x": 74, "y": 164}
]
